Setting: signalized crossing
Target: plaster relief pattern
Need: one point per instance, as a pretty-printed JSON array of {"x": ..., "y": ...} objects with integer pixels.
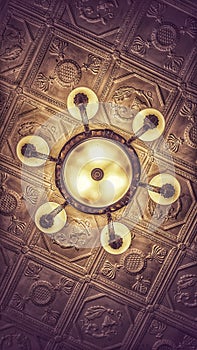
[{"x": 63, "y": 291}]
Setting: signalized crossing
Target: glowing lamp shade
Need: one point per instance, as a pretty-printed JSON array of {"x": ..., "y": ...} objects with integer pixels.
[
  {"x": 40, "y": 145},
  {"x": 97, "y": 172},
  {"x": 91, "y": 107},
  {"x": 161, "y": 180},
  {"x": 59, "y": 220},
  {"x": 153, "y": 133},
  {"x": 120, "y": 230}
]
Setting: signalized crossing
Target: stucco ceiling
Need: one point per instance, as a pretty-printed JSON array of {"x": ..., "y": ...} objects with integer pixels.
[{"x": 67, "y": 292}]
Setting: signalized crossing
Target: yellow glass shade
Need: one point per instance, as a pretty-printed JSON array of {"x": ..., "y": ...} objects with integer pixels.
[
  {"x": 105, "y": 155},
  {"x": 92, "y": 106},
  {"x": 160, "y": 180},
  {"x": 151, "y": 134},
  {"x": 120, "y": 230},
  {"x": 41, "y": 146},
  {"x": 59, "y": 220}
]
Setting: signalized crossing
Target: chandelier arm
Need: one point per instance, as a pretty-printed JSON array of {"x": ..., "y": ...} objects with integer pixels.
[
  {"x": 29, "y": 150},
  {"x": 47, "y": 220},
  {"x": 139, "y": 133},
  {"x": 84, "y": 116},
  {"x": 111, "y": 229},
  {"x": 167, "y": 190},
  {"x": 149, "y": 187}
]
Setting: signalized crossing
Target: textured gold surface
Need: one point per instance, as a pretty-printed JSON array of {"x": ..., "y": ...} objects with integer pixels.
[{"x": 66, "y": 292}]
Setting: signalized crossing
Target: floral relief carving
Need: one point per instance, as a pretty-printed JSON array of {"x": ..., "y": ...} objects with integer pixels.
[
  {"x": 164, "y": 37},
  {"x": 140, "y": 45},
  {"x": 158, "y": 211},
  {"x": 42, "y": 294},
  {"x": 158, "y": 254},
  {"x": 15, "y": 341},
  {"x": 64, "y": 285},
  {"x": 141, "y": 285},
  {"x": 186, "y": 292},
  {"x": 135, "y": 99},
  {"x": 50, "y": 316},
  {"x": 173, "y": 62},
  {"x": 67, "y": 72},
  {"x": 18, "y": 302},
  {"x": 10, "y": 202},
  {"x": 173, "y": 143},
  {"x": 12, "y": 43},
  {"x": 76, "y": 236},
  {"x": 157, "y": 328},
  {"x": 156, "y": 10},
  {"x": 16, "y": 226},
  {"x": 189, "y": 111},
  {"x": 102, "y": 12},
  {"x": 188, "y": 343},
  {"x": 109, "y": 270},
  {"x": 190, "y": 27},
  {"x": 43, "y": 82},
  {"x": 100, "y": 322},
  {"x": 33, "y": 270},
  {"x": 31, "y": 194},
  {"x": 93, "y": 64}
]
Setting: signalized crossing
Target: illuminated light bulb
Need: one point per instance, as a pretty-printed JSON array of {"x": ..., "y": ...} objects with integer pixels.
[
  {"x": 33, "y": 142},
  {"x": 151, "y": 122},
  {"x": 48, "y": 223},
  {"x": 170, "y": 188},
  {"x": 91, "y": 104},
  {"x": 122, "y": 235}
]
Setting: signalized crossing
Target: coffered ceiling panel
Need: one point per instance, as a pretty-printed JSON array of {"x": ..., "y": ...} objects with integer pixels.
[{"x": 64, "y": 291}]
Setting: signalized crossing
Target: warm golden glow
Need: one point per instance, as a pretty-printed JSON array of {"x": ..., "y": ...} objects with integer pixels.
[
  {"x": 151, "y": 134},
  {"x": 160, "y": 180},
  {"x": 59, "y": 219},
  {"x": 41, "y": 146},
  {"x": 120, "y": 230},
  {"x": 92, "y": 106},
  {"x": 92, "y": 154}
]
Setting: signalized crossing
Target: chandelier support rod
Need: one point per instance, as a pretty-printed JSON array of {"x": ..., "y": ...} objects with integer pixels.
[
  {"x": 29, "y": 150},
  {"x": 166, "y": 190},
  {"x": 84, "y": 117},
  {"x": 139, "y": 133},
  {"x": 47, "y": 220},
  {"x": 110, "y": 227}
]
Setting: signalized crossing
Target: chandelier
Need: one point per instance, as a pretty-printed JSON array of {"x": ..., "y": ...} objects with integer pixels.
[{"x": 97, "y": 170}]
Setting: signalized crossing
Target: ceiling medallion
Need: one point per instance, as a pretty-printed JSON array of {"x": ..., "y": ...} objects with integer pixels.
[
  {"x": 97, "y": 172},
  {"x": 165, "y": 36}
]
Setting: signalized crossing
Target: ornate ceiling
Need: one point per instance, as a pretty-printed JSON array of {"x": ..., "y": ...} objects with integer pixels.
[{"x": 70, "y": 294}]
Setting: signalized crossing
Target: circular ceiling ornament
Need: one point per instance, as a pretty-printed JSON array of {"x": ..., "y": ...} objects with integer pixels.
[
  {"x": 134, "y": 262},
  {"x": 42, "y": 293},
  {"x": 164, "y": 344},
  {"x": 165, "y": 37},
  {"x": 104, "y": 155},
  {"x": 68, "y": 73},
  {"x": 8, "y": 202},
  {"x": 190, "y": 135}
]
